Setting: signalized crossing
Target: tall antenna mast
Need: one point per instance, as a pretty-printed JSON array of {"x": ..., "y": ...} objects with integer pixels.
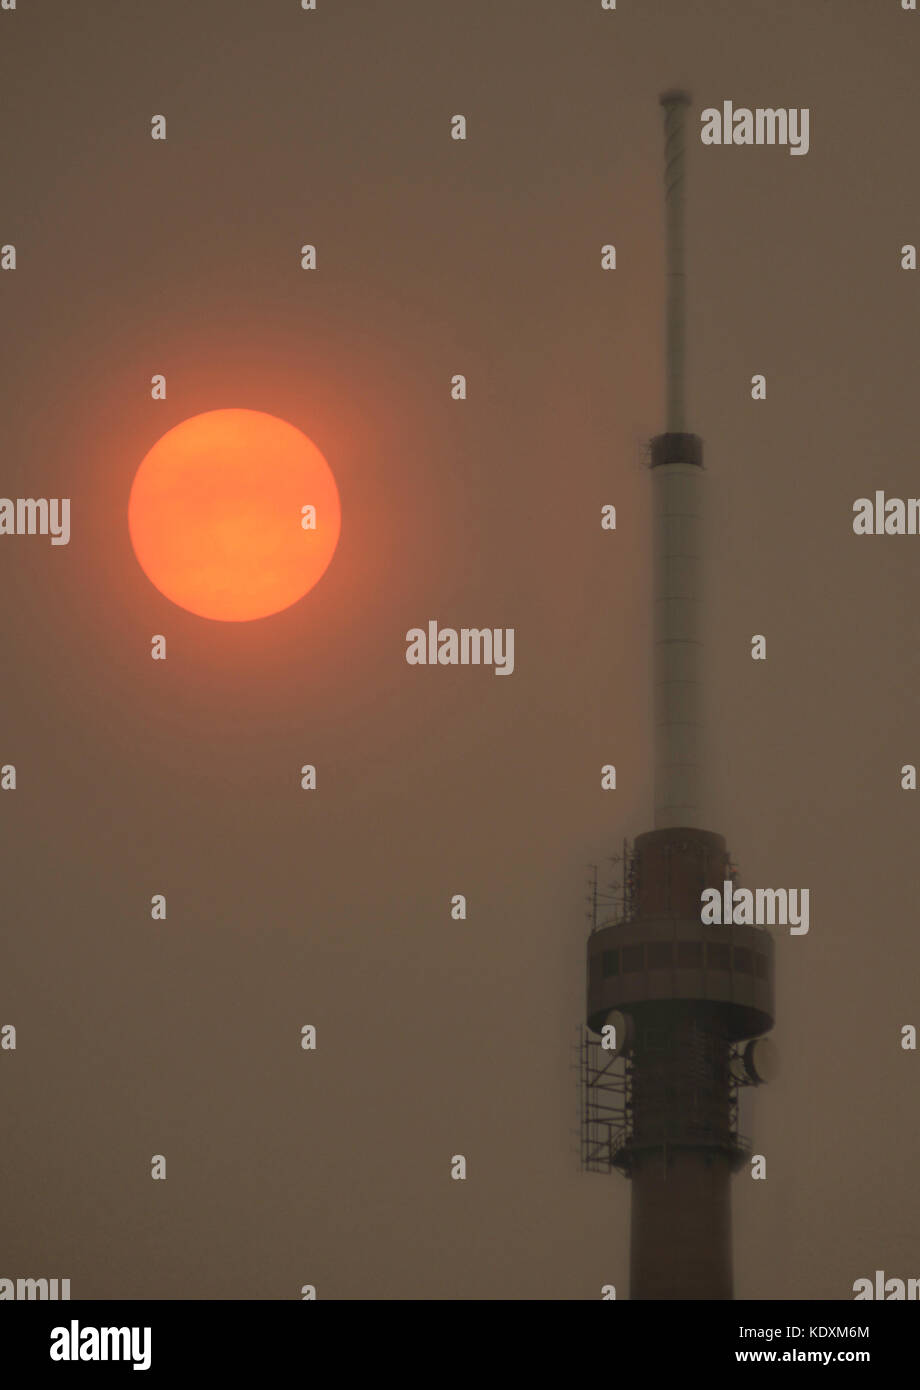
[{"x": 677, "y": 486}]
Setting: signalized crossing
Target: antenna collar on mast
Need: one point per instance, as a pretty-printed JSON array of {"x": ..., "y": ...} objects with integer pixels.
[{"x": 677, "y": 447}]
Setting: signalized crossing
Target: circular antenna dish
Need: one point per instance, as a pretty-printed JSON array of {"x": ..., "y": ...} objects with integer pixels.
[
  {"x": 616, "y": 1034},
  {"x": 761, "y": 1061}
]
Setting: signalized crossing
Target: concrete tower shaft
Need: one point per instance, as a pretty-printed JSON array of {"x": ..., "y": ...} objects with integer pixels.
[{"x": 681, "y": 1206}]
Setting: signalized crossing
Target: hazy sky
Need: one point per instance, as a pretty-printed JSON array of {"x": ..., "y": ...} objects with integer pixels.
[{"x": 181, "y": 777}]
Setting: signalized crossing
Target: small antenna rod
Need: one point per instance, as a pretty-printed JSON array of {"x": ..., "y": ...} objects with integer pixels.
[{"x": 674, "y": 104}]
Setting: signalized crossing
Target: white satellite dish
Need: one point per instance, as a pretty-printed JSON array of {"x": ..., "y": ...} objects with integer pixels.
[
  {"x": 622, "y": 1026},
  {"x": 761, "y": 1061}
]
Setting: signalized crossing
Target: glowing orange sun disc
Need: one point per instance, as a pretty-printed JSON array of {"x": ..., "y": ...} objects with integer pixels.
[{"x": 234, "y": 514}]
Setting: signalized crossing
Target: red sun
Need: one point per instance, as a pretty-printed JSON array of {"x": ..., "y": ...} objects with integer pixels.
[{"x": 220, "y": 515}]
